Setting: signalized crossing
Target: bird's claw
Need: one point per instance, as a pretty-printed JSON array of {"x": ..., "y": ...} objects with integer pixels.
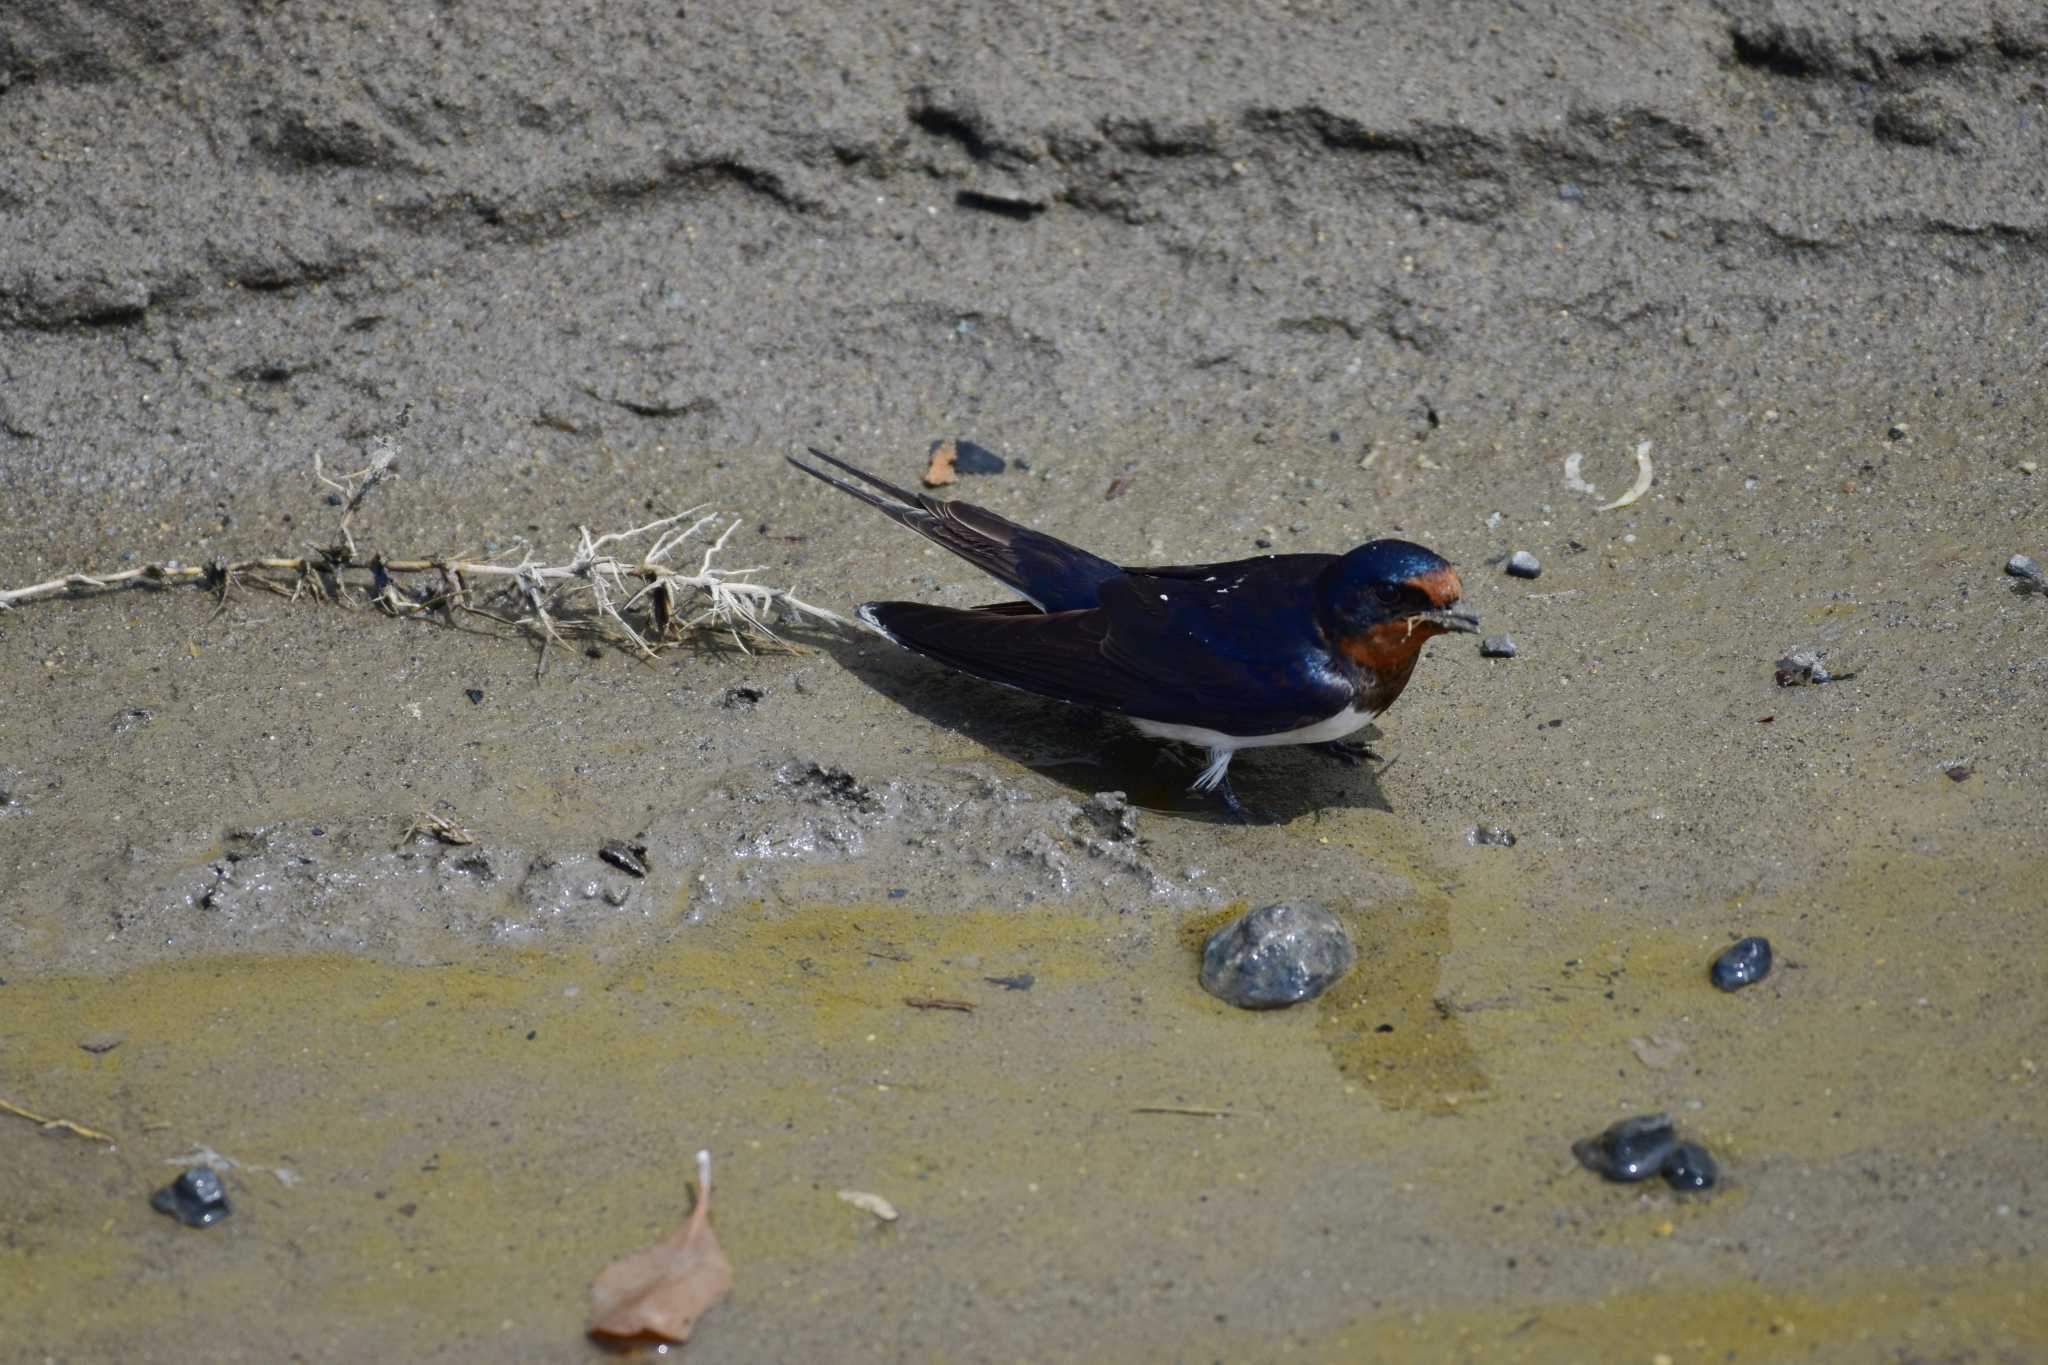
[
  {"x": 1231, "y": 803},
  {"x": 1351, "y": 753}
]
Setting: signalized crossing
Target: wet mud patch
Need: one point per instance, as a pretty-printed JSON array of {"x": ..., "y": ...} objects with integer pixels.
[{"x": 487, "y": 1132}]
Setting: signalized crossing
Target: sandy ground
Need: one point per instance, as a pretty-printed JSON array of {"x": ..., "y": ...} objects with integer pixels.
[{"x": 1208, "y": 277}]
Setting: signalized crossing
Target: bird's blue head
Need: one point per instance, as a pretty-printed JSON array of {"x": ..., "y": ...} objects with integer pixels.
[{"x": 1383, "y": 601}]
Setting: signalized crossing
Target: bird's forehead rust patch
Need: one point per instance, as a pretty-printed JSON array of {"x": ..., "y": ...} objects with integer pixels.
[{"x": 1440, "y": 586}]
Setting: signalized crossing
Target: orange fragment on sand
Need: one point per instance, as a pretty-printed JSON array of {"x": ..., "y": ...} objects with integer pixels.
[
  {"x": 941, "y": 471},
  {"x": 658, "y": 1294}
]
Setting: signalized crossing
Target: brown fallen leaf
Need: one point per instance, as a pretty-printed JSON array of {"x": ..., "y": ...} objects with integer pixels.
[
  {"x": 941, "y": 471},
  {"x": 658, "y": 1294}
]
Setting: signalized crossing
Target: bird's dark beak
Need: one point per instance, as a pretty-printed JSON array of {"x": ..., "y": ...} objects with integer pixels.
[{"x": 1463, "y": 621}]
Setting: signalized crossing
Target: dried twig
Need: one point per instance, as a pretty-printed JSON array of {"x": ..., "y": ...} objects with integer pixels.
[
  {"x": 932, "y": 1002},
  {"x": 55, "y": 1125}
]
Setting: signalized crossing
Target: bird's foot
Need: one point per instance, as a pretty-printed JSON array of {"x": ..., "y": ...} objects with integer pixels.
[
  {"x": 1352, "y": 753},
  {"x": 1231, "y": 803}
]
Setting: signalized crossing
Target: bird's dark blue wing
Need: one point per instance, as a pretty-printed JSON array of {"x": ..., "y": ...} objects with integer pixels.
[{"x": 1159, "y": 647}]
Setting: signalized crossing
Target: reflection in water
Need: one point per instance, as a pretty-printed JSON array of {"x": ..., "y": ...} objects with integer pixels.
[{"x": 1382, "y": 1023}]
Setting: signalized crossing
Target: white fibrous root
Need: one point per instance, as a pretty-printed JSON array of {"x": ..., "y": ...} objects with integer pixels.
[{"x": 641, "y": 601}]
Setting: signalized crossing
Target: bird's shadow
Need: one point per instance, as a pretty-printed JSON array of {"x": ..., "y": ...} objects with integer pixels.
[{"x": 1088, "y": 751}]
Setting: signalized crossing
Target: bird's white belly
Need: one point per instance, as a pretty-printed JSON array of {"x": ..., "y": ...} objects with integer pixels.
[{"x": 1322, "y": 732}]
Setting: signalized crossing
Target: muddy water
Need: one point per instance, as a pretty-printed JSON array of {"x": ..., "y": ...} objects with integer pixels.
[{"x": 430, "y": 1160}]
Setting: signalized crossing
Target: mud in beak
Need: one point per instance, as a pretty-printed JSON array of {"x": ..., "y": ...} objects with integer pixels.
[{"x": 1463, "y": 621}]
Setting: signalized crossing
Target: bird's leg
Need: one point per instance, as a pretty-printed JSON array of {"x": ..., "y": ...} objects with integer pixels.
[
  {"x": 1216, "y": 778},
  {"x": 1352, "y": 753},
  {"x": 1231, "y": 803}
]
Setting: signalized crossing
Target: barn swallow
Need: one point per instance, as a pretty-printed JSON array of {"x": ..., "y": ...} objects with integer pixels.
[{"x": 1279, "y": 649}]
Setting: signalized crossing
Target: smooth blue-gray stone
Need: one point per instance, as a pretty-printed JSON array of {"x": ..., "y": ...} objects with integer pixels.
[
  {"x": 195, "y": 1198},
  {"x": 1276, "y": 955},
  {"x": 1689, "y": 1167},
  {"x": 1630, "y": 1150},
  {"x": 1746, "y": 962}
]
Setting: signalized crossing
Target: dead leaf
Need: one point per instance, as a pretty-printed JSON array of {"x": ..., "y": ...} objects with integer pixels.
[
  {"x": 658, "y": 1294},
  {"x": 941, "y": 471}
]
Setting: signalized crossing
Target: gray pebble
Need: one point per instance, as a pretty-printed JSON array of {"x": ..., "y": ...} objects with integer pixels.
[
  {"x": 1630, "y": 1150},
  {"x": 1276, "y": 955},
  {"x": 1522, "y": 564},
  {"x": 1802, "y": 668},
  {"x": 195, "y": 1198},
  {"x": 1489, "y": 836},
  {"x": 2020, "y": 566},
  {"x": 973, "y": 459},
  {"x": 1497, "y": 647},
  {"x": 1691, "y": 1168}
]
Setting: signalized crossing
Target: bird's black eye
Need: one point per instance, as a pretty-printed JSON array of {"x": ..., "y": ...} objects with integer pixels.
[{"x": 1388, "y": 594}]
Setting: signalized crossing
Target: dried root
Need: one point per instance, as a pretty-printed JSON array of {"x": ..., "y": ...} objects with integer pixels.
[{"x": 640, "y": 601}]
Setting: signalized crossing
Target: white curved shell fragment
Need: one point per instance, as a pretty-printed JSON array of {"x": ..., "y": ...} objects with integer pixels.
[
  {"x": 1573, "y": 479},
  {"x": 1645, "y": 472}
]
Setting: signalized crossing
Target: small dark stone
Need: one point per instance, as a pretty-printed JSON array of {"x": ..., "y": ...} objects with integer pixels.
[
  {"x": 195, "y": 1198},
  {"x": 1262, "y": 543},
  {"x": 897, "y": 893},
  {"x": 1522, "y": 564},
  {"x": 1746, "y": 962},
  {"x": 475, "y": 695},
  {"x": 630, "y": 859},
  {"x": 1630, "y": 1150},
  {"x": 1960, "y": 770},
  {"x": 1570, "y": 193},
  {"x": 2023, "y": 566},
  {"x": 1895, "y": 432},
  {"x": 739, "y": 697},
  {"x": 1689, "y": 1167},
  {"x": 1022, "y": 981},
  {"x": 970, "y": 458},
  {"x": 1276, "y": 955},
  {"x": 1489, "y": 836},
  {"x": 131, "y": 718},
  {"x": 1497, "y": 647}
]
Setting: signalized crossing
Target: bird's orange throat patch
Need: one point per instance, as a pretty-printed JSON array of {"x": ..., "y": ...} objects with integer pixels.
[{"x": 1390, "y": 648}]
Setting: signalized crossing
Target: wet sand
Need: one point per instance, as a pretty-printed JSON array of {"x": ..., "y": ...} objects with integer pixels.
[{"x": 1269, "y": 277}]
